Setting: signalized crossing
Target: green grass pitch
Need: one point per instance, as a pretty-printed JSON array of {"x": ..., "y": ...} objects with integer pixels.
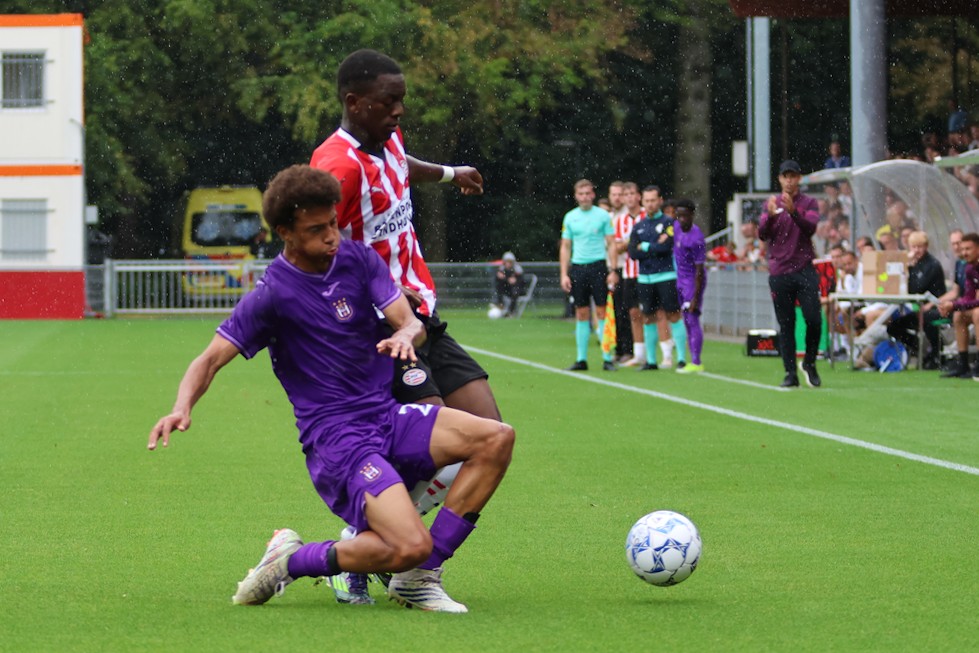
[{"x": 810, "y": 544}]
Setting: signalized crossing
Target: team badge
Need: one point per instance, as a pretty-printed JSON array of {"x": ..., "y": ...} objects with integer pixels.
[
  {"x": 370, "y": 472},
  {"x": 342, "y": 309},
  {"x": 413, "y": 375}
]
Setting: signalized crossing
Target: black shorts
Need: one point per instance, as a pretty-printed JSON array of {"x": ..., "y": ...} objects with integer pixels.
[
  {"x": 588, "y": 284},
  {"x": 656, "y": 296},
  {"x": 630, "y": 293},
  {"x": 443, "y": 366}
]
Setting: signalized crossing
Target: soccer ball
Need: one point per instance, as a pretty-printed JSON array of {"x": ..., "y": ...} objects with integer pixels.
[
  {"x": 495, "y": 312},
  {"x": 663, "y": 548}
]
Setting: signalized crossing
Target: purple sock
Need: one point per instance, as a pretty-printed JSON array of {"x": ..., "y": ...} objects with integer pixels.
[
  {"x": 695, "y": 336},
  {"x": 449, "y": 531},
  {"x": 312, "y": 560}
]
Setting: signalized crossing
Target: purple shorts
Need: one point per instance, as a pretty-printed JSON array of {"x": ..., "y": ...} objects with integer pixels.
[
  {"x": 685, "y": 288},
  {"x": 347, "y": 459}
]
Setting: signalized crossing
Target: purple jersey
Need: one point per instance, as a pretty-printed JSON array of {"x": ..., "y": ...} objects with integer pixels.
[
  {"x": 689, "y": 250},
  {"x": 321, "y": 331}
]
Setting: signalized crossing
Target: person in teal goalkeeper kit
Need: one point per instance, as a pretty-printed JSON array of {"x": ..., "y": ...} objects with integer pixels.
[{"x": 587, "y": 255}]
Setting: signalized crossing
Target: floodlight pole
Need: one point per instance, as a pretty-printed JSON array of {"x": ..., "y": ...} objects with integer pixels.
[
  {"x": 759, "y": 103},
  {"x": 868, "y": 81}
]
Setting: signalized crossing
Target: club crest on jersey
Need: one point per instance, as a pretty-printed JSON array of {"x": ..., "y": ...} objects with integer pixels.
[
  {"x": 413, "y": 375},
  {"x": 342, "y": 309},
  {"x": 370, "y": 472}
]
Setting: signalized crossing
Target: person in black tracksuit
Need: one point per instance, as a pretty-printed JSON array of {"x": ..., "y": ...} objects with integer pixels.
[{"x": 924, "y": 276}]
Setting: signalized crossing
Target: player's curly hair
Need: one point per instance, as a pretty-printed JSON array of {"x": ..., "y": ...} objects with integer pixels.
[
  {"x": 298, "y": 187},
  {"x": 361, "y": 68}
]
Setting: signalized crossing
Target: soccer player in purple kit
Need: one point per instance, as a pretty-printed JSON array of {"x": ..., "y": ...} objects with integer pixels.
[
  {"x": 690, "y": 253},
  {"x": 314, "y": 309}
]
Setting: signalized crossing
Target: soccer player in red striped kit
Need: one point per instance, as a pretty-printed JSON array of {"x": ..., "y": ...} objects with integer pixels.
[{"x": 367, "y": 154}]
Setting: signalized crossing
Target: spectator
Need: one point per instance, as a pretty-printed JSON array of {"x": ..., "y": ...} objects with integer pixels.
[
  {"x": 865, "y": 244},
  {"x": 788, "y": 224},
  {"x": 752, "y": 253},
  {"x": 963, "y": 310},
  {"x": 924, "y": 276},
  {"x": 836, "y": 157},
  {"x": 723, "y": 253},
  {"x": 896, "y": 219},
  {"x": 509, "y": 283},
  {"x": 846, "y": 199},
  {"x": 958, "y": 118}
]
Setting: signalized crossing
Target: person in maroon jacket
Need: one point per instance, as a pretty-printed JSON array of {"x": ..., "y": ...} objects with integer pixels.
[
  {"x": 787, "y": 225},
  {"x": 965, "y": 309}
]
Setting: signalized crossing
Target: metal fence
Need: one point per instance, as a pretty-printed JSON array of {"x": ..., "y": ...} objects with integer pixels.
[{"x": 735, "y": 302}]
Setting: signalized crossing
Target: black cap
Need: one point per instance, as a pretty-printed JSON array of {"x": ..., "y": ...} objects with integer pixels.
[{"x": 789, "y": 166}]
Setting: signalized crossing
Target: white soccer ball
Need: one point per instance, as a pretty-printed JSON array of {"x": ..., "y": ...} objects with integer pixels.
[
  {"x": 663, "y": 548},
  {"x": 494, "y": 312}
]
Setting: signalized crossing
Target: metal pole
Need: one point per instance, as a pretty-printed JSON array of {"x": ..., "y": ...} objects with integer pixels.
[
  {"x": 868, "y": 81},
  {"x": 761, "y": 103}
]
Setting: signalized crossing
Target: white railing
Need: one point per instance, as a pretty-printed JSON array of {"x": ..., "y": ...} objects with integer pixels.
[{"x": 736, "y": 299}]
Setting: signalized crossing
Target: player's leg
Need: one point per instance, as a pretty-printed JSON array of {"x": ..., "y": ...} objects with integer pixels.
[
  {"x": 399, "y": 542},
  {"x": 960, "y": 322},
  {"x": 670, "y": 302},
  {"x": 695, "y": 332},
  {"x": 783, "y": 300},
  {"x": 647, "y": 307},
  {"x": 635, "y": 322},
  {"x": 581, "y": 297},
  {"x": 484, "y": 447},
  {"x": 812, "y": 314},
  {"x": 974, "y": 318}
]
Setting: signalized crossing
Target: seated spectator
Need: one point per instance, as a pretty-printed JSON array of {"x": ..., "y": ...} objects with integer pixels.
[
  {"x": 752, "y": 253},
  {"x": 723, "y": 253},
  {"x": 888, "y": 242},
  {"x": 846, "y": 198},
  {"x": 965, "y": 310},
  {"x": 897, "y": 219},
  {"x": 509, "y": 283},
  {"x": 905, "y": 235},
  {"x": 864, "y": 244},
  {"x": 924, "y": 276}
]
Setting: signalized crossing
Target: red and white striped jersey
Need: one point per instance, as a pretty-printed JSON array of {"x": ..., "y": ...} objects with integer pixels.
[
  {"x": 375, "y": 206},
  {"x": 623, "y": 225}
]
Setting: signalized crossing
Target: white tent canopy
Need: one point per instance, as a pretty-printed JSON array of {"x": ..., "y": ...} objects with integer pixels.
[{"x": 939, "y": 202}]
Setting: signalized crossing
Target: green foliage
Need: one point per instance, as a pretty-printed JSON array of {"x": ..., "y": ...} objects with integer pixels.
[{"x": 181, "y": 93}]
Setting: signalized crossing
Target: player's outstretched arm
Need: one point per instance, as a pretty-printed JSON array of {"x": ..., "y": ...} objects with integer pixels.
[
  {"x": 409, "y": 332},
  {"x": 196, "y": 380},
  {"x": 465, "y": 178}
]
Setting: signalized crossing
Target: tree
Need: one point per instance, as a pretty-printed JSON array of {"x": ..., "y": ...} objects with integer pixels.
[{"x": 486, "y": 69}]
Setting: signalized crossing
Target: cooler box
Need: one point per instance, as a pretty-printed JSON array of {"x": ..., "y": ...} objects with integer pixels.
[{"x": 762, "y": 342}]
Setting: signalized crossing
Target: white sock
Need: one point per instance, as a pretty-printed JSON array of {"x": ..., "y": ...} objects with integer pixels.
[
  {"x": 639, "y": 351},
  {"x": 667, "y": 348}
]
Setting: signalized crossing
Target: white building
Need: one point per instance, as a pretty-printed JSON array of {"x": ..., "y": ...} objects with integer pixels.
[{"x": 42, "y": 189}]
